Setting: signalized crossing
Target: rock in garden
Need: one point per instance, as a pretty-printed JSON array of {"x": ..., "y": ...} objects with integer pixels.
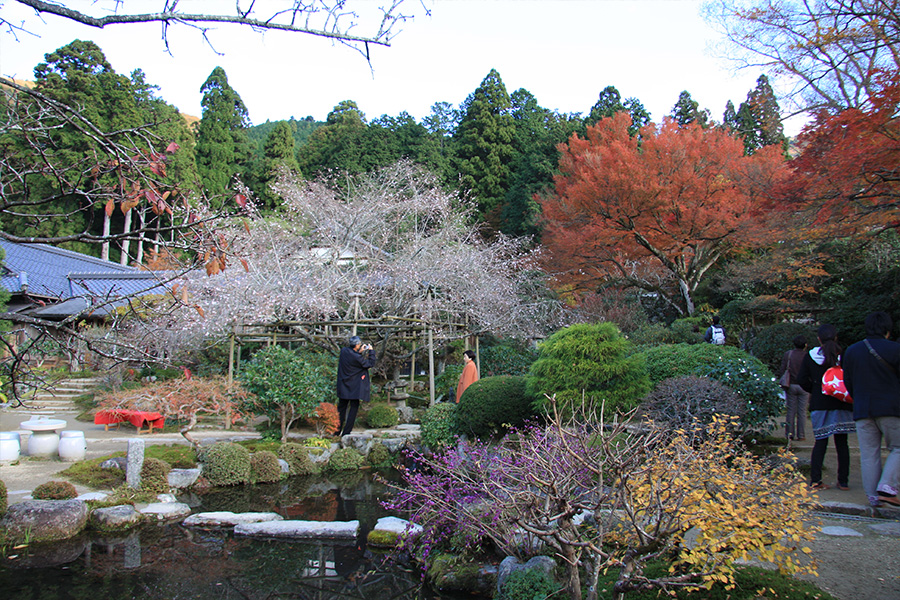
[
  {"x": 300, "y": 529},
  {"x": 398, "y": 526},
  {"x": 44, "y": 520},
  {"x": 360, "y": 441},
  {"x": 166, "y": 511},
  {"x": 119, "y": 517},
  {"x": 393, "y": 444},
  {"x": 117, "y": 462},
  {"x": 285, "y": 467},
  {"x": 224, "y": 518},
  {"x": 183, "y": 478}
]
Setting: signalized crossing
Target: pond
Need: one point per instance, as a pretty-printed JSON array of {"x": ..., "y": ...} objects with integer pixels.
[{"x": 157, "y": 562}]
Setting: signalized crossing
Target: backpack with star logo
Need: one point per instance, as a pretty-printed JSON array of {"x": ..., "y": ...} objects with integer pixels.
[{"x": 833, "y": 385}]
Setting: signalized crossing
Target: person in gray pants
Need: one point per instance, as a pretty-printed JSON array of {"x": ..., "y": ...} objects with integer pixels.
[{"x": 872, "y": 376}]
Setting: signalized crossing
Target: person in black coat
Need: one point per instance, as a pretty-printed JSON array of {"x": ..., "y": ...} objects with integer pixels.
[
  {"x": 872, "y": 376},
  {"x": 830, "y": 416},
  {"x": 353, "y": 382}
]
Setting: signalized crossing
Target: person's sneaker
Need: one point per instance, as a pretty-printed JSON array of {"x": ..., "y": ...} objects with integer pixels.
[{"x": 893, "y": 500}]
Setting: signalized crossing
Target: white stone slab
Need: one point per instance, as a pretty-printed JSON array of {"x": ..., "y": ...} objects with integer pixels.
[
  {"x": 300, "y": 529},
  {"x": 835, "y": 531},
  {"x": 165, "y": 511},
  {"x": 398, "y": 526},
  {"x": 224, "y": 518}
]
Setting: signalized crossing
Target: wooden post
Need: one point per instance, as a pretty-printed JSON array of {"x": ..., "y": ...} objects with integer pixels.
[
  {"x": 412, "y": 366},
  {"x": 230, "y": 376},
  {"x": 430, "y": 365}
]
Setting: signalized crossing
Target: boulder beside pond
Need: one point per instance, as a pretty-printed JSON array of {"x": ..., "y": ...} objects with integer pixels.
[
  {"x": 115, "y": 518},
  {"x": 44, "y": 520}
]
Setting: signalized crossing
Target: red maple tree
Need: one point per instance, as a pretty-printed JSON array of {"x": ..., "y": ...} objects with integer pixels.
[
  {"x": 848, "y": 170},
  {"x": 656, "y": 210}
]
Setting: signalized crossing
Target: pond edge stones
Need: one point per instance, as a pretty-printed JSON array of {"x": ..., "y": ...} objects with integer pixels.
[{"x": 300, "y": 529}]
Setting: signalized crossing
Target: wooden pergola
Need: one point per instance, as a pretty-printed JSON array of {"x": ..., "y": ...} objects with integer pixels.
[{"x": 334, "y": 332}]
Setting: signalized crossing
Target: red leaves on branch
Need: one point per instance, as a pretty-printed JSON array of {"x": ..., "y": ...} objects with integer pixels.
[
  {"x": 849, "y": 166},
  {"x": 655, "y": 210}
]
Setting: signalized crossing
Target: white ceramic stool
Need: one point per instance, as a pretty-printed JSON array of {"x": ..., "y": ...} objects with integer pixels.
[
  {"x": 10, "y": 446},
  {"x": 72, "y": 446}
]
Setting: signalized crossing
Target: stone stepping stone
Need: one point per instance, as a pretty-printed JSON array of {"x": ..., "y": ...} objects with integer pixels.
[
  {"x": 300, "y": 529},
  {"x": 226, "y": 518}
]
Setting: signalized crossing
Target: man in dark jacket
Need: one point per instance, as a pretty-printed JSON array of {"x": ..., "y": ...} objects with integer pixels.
[
  {"x": 872, "y": 376},
  {"x": 353, "y": 382}
]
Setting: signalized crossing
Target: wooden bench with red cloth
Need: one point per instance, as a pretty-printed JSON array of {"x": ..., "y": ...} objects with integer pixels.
[{"x": 114, "y": 416}]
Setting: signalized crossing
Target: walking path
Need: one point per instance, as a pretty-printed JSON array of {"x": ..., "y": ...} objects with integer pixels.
[{"x": 857, "y": 549}]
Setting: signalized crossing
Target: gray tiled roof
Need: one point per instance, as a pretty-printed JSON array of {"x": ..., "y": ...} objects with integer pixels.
[{"x": 74, "y": 281}]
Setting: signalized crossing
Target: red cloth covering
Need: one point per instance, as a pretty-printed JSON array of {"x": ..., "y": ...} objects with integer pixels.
[{"x": 135, "y": 417}]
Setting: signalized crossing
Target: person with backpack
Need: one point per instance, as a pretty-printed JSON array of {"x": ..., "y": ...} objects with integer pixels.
[
  {"x": 830, "y": 416},
  {"x": 715, "y": 334},
  {"x": 872, "y": 376}
]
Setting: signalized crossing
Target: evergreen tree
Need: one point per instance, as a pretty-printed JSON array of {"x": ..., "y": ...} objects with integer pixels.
[
  {"x": 278, "y": 156},
  {"x": 610, "y": 102},
  {"x": 339, "y": 144},
  {"x": 758, "y": 120},
  {"x": 729, "y": 117},
  {"x": 687, "y": 110},
  {"x": 222, "y": 145},
  {"x": 484, "y": 144},
  {"x": 538, "y": 131}
]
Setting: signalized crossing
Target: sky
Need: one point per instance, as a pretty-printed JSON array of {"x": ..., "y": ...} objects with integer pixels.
[{"x": 562, "y": 51}]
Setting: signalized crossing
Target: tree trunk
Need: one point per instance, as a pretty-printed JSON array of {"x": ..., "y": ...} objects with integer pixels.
[
  {"x": 123, "y": 259},
  {"x": 104, "y": 247}
]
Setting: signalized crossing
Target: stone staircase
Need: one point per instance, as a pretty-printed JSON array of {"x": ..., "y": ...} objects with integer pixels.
[{"x": 57, "y": 399}]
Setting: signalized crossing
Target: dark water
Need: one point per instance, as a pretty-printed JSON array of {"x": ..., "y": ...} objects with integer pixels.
[{"x": 171, "y": 561}]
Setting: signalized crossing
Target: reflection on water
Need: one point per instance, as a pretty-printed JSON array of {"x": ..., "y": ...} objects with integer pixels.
[{"x": 171, "y": 561}]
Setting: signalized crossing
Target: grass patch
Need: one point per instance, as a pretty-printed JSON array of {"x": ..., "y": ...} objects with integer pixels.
[
  {"x": 751, "y": 583},
  {"x": 261, "y": 445},
  {"x": 89, "y": 473},
  {"x": 179, "y": 456}
]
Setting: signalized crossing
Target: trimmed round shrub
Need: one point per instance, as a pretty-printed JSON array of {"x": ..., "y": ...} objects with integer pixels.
[
  {"x": 226, "y": 463},
  {"x": 493, "y": 404},
  {"x": 381, "y": 415},
  {"x": 528, "y": 584},
  {"x": 754, "y": 383},
  {"x": 438, "y": 425},
  {"x": 155, "y": 476},
  {"x": 673, "y": 360},
  {"x": 590, "y": 362},
  {"x": 4, "y": 499},
  {"x": 345, "y": 459},
  {"x": 684, "y": 402},
  {"x": 379, "y": 456},
  {"x": 769, "y": 344},
  {"x": 264, "y": 467},
  {"x": 298, "y": 459},
  {"x": 54, "y": 490}
]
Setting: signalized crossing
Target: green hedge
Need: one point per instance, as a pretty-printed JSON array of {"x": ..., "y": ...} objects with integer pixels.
[
  {"x": 493, "y": 404},
  {"x": 438, "y": 426},
  {"x": 673, "y": 360},
  {"x": 264, "y": 467},
  {"x": 226, "y": 463}
]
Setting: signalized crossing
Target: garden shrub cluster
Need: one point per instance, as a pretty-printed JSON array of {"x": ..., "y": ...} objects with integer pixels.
[
  {"x": 379, "y": 456},
  {"x": 592, "y": 362},
  {"x": 226, "y": 463},
  {"x": 528, "y": 584},
  {"x": 325, "y": 420},
  {"x": 345, "y": 459},
  {"x": 155, "y": 476},
  {"x": 754, "y": 383},
  {"x": 493, "y": 404},
  {"x": 54, "y": 490},
  {"x": 4, "y": 499},
  {"x": 264, "y": 467},
  {"x": 672, "y": 360},
  {"x": 297, "y": 458},
  {"x": 381, "y": 415},
  {"x": 438, "y": 425},
  {"x": 688, "y": 402},
  {"x": 769, "y": 344},
  {"x": 506, "y": 359}
]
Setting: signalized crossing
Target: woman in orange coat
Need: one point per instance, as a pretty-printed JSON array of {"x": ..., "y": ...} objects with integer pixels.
[{"x": 469, "y": 374}]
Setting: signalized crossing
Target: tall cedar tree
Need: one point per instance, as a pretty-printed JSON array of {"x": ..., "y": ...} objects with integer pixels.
[
  {"x": 278, "y": 156},
  {"x": 538, "y": 132},
  {"x": 758, "y": 120},
  {"x": 610, "y": 102},
  {"x": 654, "y": 213},
  {"x": 339, "y": 144},
  {"x": 687, "y": 111},
  {"x": 222, "y": 147},
  {"x": 484, "y": 145}
]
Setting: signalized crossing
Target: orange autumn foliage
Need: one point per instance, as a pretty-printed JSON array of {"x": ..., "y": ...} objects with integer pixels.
[{"x": 656, "y": 210}]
